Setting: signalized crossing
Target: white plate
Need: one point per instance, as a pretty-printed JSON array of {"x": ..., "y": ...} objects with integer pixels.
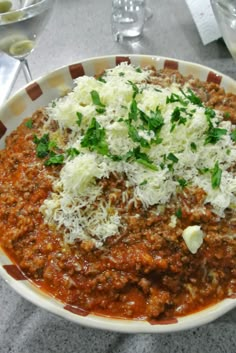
[{"x": 40, "y": 93}]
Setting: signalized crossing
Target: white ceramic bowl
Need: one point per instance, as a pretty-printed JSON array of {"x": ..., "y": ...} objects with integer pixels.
[{"x": 39, "y": 93}]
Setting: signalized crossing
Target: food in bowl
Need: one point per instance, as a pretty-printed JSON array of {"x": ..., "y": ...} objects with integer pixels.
[{"x": 119, "y": 198}]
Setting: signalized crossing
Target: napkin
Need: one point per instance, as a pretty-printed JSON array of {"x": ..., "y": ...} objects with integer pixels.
[{"x": 204, "y": 19}]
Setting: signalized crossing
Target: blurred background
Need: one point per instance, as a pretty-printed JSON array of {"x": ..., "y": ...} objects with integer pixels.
[{"x": 80, "y": 29}]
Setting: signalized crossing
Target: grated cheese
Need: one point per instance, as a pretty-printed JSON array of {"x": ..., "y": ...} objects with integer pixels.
[{"x": 72, "y": 202}]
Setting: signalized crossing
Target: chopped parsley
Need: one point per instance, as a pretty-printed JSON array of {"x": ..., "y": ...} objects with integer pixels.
[
  {"x": 210, "y": 114},
  {"x": 172, "y": 157},
  {"x": 178, "y": 213},
  {"x": 216, "y": 174},
  {"x": 101, "y": 79},
  {"x": 226, "y": 115},
  {"x": 154, "y": 121},
  {"x": 177, "y": 118},
  {"x": 233, "y": 135},
  {"x": 95, "y": 138},
  {"x": 134, "y": 135},
  {"x": 133, "y": 112},
  {"x": 97, "y": 101},
  {"x": 191, "y": 96},
  {"x": 203, "y": 170},
  {"x": 193, "y": 146},
  {"x": 72, "y": 152},
  {"x": 173, "y": 98},
  {"x": 144, "y": 182},
  {"x": 79, "y": 118},
  {"x": 42, "y": 145},
  {"x": 46, "y": 148},
  {"x": 54, "y": 159},
  {"x": 182, "y": 182},
  {"x": 100, "y": 110},
  {"x": 29, "y": 124},
  {"x": 140, "y": 157},
  {"x": 214, "y": 135},
  {"x": 135, "y": 88}
]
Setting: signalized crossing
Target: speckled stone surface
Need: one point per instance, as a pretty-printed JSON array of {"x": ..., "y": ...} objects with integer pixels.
[{"x": 80, "y": 29}]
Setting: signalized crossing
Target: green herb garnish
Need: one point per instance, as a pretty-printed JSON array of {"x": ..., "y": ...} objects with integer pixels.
[
  {"x": 177, "y": 118},
  {"x": 152, "y": 122},
  {"x": 172, "y": 158},
  {"x": 155, "y": 121},
  {"x": 135, "y": 88},
  {"x": 140, "y": 157},
  {"x": 45, "y": 148},
  {"x": 79, "y": 118},
  {"x": 29, "y": 124},
  {"x": 144, "y": 182},
  {"x": 101, "y": 79},
  {"x": 233, "y": 135},
  {"x": 178, "y": 213},
  {"x": 95, "y": 138},
  {"x": 96, "y": 99},
  {"x": 182, "y": 182},
  {"x": 173, "y": 98},
  {"x": 54, "y": 159},
  {"x": 226, "y": 115},
  {"x": 210, "y": 114},
  {"x": 133, "y": 134},
  {"x": 214, "y": 134},
  {"x": 193, "y": 146},
  {"x": 191, "y": 96},
  {"x": 203, "y": 170},
  {"x": 133, "y": 112},
  {"x": 100, "y": 109},
  {"x": 42, "y": 145},
  {"x": 216, "y": 176},
  {"x": 72, "y": 152}
]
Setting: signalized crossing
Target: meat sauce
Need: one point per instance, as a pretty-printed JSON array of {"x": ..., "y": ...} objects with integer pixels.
[{"x": 145, "y": 272}]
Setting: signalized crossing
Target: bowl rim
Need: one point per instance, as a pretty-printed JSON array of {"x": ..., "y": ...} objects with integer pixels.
[{"x": 29, "y": 291}]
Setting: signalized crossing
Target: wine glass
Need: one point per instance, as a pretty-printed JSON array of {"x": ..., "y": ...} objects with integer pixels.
[
  {"x": 21, "y": 22},
  {"x": 225, "y": 13},
  {"x": 148, "y": 12}
]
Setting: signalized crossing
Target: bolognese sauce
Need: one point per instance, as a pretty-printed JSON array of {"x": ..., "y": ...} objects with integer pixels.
[{"x": 102, "y": 240}]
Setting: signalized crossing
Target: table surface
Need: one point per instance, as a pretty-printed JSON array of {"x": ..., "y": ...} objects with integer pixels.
[{"x": 80, "y": 29}]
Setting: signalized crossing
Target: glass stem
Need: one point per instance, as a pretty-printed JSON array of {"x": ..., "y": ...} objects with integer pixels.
[{"x": 26, "y": 70}]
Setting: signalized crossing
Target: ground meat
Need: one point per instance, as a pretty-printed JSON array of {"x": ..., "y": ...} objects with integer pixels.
[{"x": 146, "y": 271}]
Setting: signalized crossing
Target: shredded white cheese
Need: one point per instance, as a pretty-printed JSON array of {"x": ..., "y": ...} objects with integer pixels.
[{"x": 72, "y": 203}]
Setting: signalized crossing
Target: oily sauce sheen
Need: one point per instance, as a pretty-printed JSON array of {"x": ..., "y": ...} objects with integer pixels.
[{"x": 145, "y": 272}]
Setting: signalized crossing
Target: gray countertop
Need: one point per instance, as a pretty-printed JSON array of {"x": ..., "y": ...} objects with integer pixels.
[{"x": 80, "y": 29}]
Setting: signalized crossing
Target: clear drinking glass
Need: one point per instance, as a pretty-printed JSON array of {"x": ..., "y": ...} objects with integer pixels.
[
  {"x": 21, "y": 22},
  {"x": 225, "y": 13},
  {"x": 127, "y": 19},
  {"x": 148, "y": 12}
]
